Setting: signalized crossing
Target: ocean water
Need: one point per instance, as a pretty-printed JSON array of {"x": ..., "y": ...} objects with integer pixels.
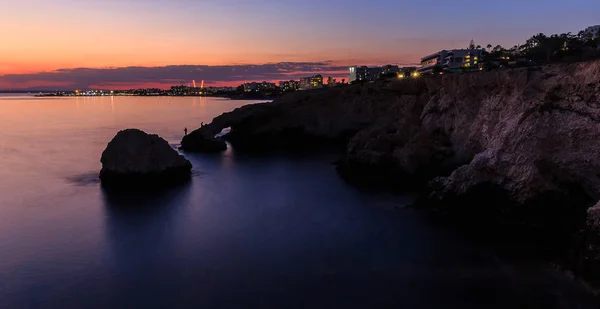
[{"x": 274, "y": 231}]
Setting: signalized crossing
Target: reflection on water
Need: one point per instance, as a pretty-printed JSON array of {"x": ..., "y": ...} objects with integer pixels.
[
  {"x": 278, "y": 231},
  {"x": 141, "y": 232},
  {"x": 87, "y": 179}
]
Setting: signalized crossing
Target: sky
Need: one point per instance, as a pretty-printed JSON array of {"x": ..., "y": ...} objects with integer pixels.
[{"x": 120, "y": 44}]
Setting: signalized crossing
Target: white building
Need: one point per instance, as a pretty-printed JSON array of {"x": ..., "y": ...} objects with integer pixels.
[
  {"x": 452, "y": 60},
  {"x": 593, "y": 30}
]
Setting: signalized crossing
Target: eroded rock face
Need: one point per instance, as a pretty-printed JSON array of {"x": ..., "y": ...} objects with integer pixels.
[
  {"x": 396, "y": 150},
  {"x": 134, "y": 158},
  {"x": 530, "y": 139},
  {"x": 516, "y": 148},
  {"x": 531, "y": 133},
  {"x": 527, "y": 131}
]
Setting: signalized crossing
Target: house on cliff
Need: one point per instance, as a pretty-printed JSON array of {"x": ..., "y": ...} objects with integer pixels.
[{"x": 455, "y": 60}]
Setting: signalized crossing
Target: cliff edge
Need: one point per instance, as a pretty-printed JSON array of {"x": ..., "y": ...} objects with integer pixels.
[{"x": 515, "y": 148}]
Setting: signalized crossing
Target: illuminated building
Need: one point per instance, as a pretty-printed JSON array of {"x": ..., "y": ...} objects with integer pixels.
[
  {"x": 363, "y": 73},
  {"x": 290, "y": 85},
  {"x": 316, "y": 81},
  {"x": 304, "y": 83},
  {"x": 267, "y": 86},
  {"x": 452, "y": 60},
  {"x": 311, "y": 82}
]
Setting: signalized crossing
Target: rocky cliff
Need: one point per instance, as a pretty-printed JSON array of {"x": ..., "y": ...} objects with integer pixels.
[
  {"x": 323, "y": 116},
  {"x": 529, "y": 139},
  {"x": 517, "y": 147}
]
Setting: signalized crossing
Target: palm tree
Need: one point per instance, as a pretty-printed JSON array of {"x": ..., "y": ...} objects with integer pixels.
[
  {"x": 478, "y": 47},
  {"x": 489, "y": 47}
]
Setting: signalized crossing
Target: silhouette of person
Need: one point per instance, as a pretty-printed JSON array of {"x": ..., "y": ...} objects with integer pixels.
[{"x": 185, "y": 130}]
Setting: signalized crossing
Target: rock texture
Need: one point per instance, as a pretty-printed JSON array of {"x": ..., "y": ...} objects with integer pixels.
[
  {"x": 134, "y": 158},
  {"x": 515, "y": 149},
  {"x": 529, "y": 131},
  {"x": 324, "y": 116}
]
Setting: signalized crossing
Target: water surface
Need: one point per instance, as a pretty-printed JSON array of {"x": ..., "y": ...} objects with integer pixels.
[{"x": 247, "y": 231}]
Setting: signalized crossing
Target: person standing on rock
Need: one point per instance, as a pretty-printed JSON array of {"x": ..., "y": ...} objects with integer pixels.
[{"x": 185, "y": 130}]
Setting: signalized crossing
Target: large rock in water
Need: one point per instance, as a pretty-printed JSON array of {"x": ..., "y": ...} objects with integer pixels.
[{"x": 135, "y": 158}]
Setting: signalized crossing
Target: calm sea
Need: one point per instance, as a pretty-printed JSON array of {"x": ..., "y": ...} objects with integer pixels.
[{"x": 247, "y": 232}]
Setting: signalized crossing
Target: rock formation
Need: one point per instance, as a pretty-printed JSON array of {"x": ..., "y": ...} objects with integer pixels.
[
  {"x": 203, "y": 140},
  {"x": 322, "y": 116},
  {"x": 516, "y": 147},
  {"x": 134, "y": 158}
]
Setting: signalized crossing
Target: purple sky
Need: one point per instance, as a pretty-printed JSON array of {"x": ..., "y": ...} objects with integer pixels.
[{"x": 222, "y": 39}]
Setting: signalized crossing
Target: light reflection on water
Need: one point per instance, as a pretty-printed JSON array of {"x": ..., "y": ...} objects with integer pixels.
[{"x": 247, "y": 232}]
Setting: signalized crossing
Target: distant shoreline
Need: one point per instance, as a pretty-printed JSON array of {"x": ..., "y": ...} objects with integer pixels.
[{"x": 229, "y": 96}]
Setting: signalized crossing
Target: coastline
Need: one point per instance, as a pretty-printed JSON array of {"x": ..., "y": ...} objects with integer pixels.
[
  {"x": 507, "y": 154},
  {"x": 228, "y": 96}
]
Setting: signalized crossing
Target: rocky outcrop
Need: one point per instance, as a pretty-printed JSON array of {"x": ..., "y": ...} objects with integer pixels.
[
  {"x": 324, "y": 116},
  {"x": 529, "y": 130},
  {"x": 530, "y": 139},
  {"x": 134, "y": 158},
  {"x": 512, "y": 149},
  {"x": 203, "y": 140}
]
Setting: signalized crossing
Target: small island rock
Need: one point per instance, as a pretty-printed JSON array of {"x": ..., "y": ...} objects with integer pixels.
[
  {"x": 134, "y": 158},
  {"x": 202, "y": 140}
]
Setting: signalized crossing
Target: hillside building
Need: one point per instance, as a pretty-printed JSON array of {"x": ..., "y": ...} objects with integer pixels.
[{"x": 456, "y": 60}]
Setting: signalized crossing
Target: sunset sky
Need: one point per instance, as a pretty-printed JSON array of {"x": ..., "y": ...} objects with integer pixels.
[{"x": 68, "y": 44}]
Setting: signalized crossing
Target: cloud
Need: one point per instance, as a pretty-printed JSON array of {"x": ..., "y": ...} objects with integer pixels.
[{"x": 124, "y": 77}]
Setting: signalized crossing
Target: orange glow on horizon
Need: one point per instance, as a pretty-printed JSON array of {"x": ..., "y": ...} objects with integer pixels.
[{"x": 52, "y": 37}]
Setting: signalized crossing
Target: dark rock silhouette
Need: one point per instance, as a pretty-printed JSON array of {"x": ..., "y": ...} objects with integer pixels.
[
  {"x": 134, "y": 158},
  {"x": 202, "y": 140},
  {"x": 323, "y": 116}
]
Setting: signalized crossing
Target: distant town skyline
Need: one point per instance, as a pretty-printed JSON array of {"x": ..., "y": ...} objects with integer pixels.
[{"x": 65, "y": 44}]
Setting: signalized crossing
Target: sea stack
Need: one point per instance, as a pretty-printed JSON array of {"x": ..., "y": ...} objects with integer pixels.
[{"x": 134, "y": 158}]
